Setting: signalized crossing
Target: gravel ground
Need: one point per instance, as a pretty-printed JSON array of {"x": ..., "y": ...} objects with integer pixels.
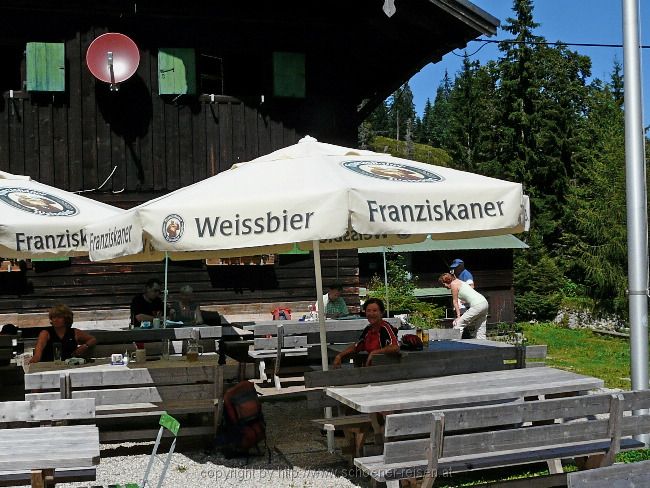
[{"x": 299, "y": 458}]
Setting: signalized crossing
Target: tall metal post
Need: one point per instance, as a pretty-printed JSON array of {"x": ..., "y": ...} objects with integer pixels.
[{"x": 637, "y": 213}]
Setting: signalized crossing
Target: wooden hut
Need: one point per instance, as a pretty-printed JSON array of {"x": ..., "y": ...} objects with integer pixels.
[
  {"x": 489, "y": 259},
  {"x": 217, "y": 83}
]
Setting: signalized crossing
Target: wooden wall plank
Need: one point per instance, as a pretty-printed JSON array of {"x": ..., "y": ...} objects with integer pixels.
[
  {"x": 225, "y": 136},
  {"x": 171, "y": 146},
  {"x": 238, "y": 133},
  {"x": 60, "y": 161},
  {"x": 46, "y": 142},
  {"x": 74, "y": 121},
  {"x": 212, "y": 138},
  {"x": 89, "y": 125},
  {"x": 199, "y": 142},
  {"x": 16, "y": 119},
  {"x": 185, "y": 146},
  {"x": 30, "y": 126},
  {"x": 250, "y": 122}
]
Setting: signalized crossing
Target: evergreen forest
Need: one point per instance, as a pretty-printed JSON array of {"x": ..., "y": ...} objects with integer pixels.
[{"x": 535, "y": 117}]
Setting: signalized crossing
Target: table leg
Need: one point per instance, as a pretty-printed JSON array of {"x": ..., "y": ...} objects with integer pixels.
[{"x": 377, "y": 422}]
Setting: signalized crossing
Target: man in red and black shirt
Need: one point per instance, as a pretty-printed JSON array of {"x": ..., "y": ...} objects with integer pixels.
[{"x": 377, "y": 338}]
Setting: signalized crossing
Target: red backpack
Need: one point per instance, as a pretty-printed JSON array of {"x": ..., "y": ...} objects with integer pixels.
[{"x": 243, "y": 422}]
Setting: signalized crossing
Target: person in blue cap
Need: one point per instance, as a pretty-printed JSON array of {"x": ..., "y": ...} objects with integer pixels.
[{"x": 457, "y": 269}]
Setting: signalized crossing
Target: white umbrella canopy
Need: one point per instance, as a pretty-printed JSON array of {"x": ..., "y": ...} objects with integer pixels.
[
  {"x": 311, "y": 191},
  {"x": 40, "y": 221}
]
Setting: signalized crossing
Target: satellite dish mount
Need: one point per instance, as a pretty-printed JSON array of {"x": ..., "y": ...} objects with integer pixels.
[
  {"x": 113, "y": 58},
  {"x": 109, "y": 56}
]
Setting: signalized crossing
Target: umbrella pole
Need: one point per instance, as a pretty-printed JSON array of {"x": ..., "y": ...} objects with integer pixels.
[
  {"x": 383, "y": 251},
  {"x": 165, "y": 292},
  {"x": 323, "y": 333}
]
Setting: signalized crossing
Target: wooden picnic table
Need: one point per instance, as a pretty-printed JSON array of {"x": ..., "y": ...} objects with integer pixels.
[{"x": 463, "y": 389}]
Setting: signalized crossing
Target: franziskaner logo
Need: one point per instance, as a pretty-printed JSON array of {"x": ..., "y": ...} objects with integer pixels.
[
  {"x": 173, "y": 227},
  {"x": 37, "y": 202},
  {"x": 385, "y": 170}
]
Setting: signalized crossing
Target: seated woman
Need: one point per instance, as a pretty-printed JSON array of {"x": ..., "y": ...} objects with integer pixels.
[
  {"x": 185, "y": 309},
  {"x": 73, "y": 342},
  {"x": 378, "y": 337}
]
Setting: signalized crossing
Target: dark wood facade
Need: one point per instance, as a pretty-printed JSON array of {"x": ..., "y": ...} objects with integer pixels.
[{"x": 128, "y": 146}]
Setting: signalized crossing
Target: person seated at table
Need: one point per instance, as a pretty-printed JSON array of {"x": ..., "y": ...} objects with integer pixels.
[
  {"x": 335, "y": 306},
  {"x": 72, "y": 342},
  {"x": 9, "y": 329},
  {"x": 185, "y": 309},
  {"x": 378, "y": 337},
  {"x": 147, "y": 305},
  {"x": 475, "y": 318}
]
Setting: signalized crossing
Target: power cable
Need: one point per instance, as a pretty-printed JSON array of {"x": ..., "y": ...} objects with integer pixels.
[{"x": 541, "y": 43}]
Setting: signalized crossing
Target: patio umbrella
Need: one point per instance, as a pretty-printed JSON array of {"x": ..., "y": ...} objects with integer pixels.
[
  {"x": 40, "y": 221},
  {"x": 320, "y": 196}
]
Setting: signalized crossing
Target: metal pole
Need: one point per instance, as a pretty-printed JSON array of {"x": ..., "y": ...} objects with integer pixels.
[
  {"x": 322, "y": 331},
  {"x": 164, "y": 324},
  {"x": 637, "y": 213},
  {"x": 383, "y": 251}
]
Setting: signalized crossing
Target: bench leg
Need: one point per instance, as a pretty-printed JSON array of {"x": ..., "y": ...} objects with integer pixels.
[
  {"x": 589, "y": 462},
  {"x": 262, "y": 367},
  {"x": 555, "y": 466},
  {"x": 42, "y": 478}
]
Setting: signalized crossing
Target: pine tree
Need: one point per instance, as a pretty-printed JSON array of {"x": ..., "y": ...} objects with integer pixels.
[
  {"x": 469, "y": 127},
  {"x": 595, "y": 239},
  {"x": 401, "y": 110},
  {"x": 436, "y": 118}
]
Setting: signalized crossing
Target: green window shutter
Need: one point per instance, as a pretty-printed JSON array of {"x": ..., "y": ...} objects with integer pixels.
[
  {"x": 45, "y": 66},
  {"x": 176, "y": 71},
  {"x": 289, "y": 75}
]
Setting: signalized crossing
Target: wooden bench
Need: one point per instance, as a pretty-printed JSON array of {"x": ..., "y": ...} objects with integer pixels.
[
  {"x": 276, "y": 340},
  {"x": 44, "y": 455},
  {"x": 628, "y": 475},
  {"x": 130, "y": 400},
  {"x": 512, "y": 356},
  {"x": 429, "y": 443}
]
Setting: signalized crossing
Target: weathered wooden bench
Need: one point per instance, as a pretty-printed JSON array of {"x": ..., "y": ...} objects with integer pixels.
[
  {"x": 275, "y": 340},
  {"x": 512, "y": 356},
  {"x": 628, "y": 475},
  {"x": 130, "y": 400},
  {"x": 445, "y": 442},
  {"x": 47, "y": 453}
]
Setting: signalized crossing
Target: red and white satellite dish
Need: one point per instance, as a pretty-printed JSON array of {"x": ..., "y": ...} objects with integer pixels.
[{"x": 113, "y": 58}]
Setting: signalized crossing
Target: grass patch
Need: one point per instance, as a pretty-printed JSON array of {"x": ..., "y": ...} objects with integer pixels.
[{"x": 584, "y": 352}]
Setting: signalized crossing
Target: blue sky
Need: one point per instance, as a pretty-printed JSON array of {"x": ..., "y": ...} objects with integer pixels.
[{"x": 581, "y": 21}]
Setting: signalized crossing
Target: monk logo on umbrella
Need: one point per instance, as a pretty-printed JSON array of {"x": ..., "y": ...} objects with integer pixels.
[
  {"x": 37, "y": 202},
  {"x": 172, "y": 228},
  {"x": 392, "y": 171}
]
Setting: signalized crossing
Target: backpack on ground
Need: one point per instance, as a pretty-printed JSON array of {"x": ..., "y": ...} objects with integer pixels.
[{"x": 243, "y": 424}]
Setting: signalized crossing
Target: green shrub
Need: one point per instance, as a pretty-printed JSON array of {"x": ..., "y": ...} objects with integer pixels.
[
  {"x": 401, "y": 298},
  {"x": 421, "y": 152},
  {"x": 535, "y": 306}
]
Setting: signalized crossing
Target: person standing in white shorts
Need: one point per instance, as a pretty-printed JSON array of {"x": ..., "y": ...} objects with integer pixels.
[{"x": 475, "y": 318}]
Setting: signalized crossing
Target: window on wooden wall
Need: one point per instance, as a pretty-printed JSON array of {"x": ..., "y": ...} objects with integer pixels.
[
  {"x": 211, "y": 77},
  {"x": 45, "y": 66},
  {"x": 10, "y": 74}
]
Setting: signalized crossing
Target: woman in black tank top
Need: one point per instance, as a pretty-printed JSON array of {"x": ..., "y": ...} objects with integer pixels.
[{"x": 73, "y": 342}]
